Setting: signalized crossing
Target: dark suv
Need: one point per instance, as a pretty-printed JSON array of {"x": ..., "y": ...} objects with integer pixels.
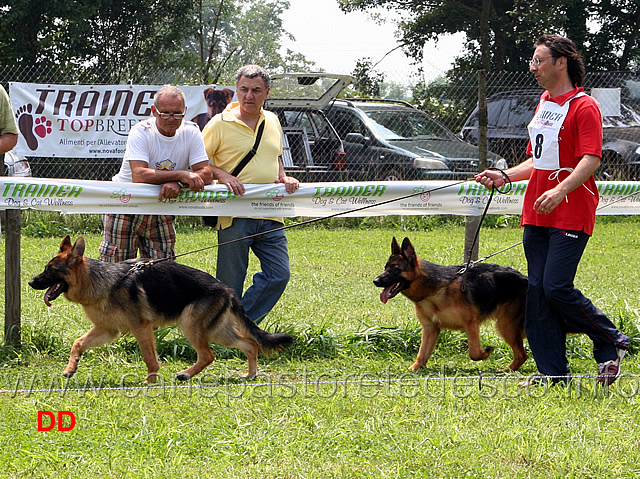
[
  {"x": 392, "y": 140},
  {"x": 312, "y": 150},
  {"x": 509, "y": 113}
]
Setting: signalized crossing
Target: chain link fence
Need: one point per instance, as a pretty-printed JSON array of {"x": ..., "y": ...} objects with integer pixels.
[{"x": 433, "y": 134}]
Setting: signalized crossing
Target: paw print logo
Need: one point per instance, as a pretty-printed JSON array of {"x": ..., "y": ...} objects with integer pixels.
[
  {"x": 32, "y": 126},
  {"x": 425, "y": 195},
  {"x": 122, "y": 195},
  {"x": 275, "y": 195}
]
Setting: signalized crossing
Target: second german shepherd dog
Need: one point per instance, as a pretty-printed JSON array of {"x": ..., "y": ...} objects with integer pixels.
[
  {"x": 441, "y": 300},
  {"x": 118, "y": 299}
]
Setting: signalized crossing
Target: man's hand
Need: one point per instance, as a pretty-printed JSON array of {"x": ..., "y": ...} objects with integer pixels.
[
  {"x": 192, "y": 180},
  {"x": 548, "y": 201},
  {"x": 233, "y": 184},
  {"x": 169, "y": 190},
  {"x": 290, "y": 183},
  {"x": 490, "y": 178}
]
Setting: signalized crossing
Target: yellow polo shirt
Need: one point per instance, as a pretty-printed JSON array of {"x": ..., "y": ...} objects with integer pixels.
[
  {"x": 7, "y": 118},
  {"x": 227, "y": 140}
]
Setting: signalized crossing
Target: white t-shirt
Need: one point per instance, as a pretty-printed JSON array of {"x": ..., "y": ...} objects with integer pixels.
[{"x": 146, "y": 143}]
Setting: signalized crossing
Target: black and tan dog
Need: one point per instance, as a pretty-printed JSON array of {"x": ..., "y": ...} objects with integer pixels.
[
  {"x": 118, "y": 299},
  {"x": 217, "y": 100},
  {"x": 441, "y": 301}
]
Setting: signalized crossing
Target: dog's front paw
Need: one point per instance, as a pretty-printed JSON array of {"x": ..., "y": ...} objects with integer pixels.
[{"x": 415, "y": 366}]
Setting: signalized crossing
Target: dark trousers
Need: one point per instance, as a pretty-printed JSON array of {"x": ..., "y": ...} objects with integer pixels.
[{"x": 555, "y": 307}]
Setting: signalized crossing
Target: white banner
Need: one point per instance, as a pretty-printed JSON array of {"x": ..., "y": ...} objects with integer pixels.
[
  {"x": 93, "y": 121},
  {"x": 312, "y": 199}
]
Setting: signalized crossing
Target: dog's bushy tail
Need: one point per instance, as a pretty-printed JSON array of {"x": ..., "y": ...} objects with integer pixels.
[{"x": 269, "y": 342}]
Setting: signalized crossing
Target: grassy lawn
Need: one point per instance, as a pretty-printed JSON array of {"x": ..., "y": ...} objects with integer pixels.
[{"x": 340, "y": 403}]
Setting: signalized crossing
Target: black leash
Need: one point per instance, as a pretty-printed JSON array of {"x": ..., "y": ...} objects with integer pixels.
[
  {"x": 140, "y": 265},
  {"x": 143, "y": 264},
  {"x": 520, "y": 242},
  {"x": 468, "y": 264}
]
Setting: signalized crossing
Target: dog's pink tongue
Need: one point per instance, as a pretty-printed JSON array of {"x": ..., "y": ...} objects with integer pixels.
[
  {"x": 384, "y": 294},
  {"x": 47, "y": 295}
]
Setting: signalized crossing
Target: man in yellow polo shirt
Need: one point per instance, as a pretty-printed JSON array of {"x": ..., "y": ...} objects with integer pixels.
[{"x": 228, "y": 137}]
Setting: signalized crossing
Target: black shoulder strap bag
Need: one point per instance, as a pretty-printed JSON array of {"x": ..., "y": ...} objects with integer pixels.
[{"x": 213, "y": 220}]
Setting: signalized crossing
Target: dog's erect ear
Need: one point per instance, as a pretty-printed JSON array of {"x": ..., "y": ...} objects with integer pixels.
[
  {"x": 395, "y": 247},
  {"x": 78, "y": 247},
  {"x": 409, "y": 252},
  {"x": 66, "y": 244}
]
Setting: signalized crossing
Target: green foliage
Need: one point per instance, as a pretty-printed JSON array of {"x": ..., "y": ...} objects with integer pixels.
[
  {"x": 51, "y": 224},
  {"x": 231, "y": 33},
  {"x": 367, "y": 82},
  {"x": 101, "y": 40},
  {"x": 144, "y": 40},
  {"x": 511, "y": 27}
]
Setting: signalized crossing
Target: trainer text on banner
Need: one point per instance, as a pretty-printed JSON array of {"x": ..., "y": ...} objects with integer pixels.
[{"x": 312, "y": 199}]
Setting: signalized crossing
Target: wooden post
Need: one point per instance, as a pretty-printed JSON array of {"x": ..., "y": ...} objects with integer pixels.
[
  {"x": 472, "y": 223},
  {"x": 12, "y": 336}
]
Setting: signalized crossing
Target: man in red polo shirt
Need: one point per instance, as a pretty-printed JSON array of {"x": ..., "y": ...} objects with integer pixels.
[{"x": 558, "y": 215}]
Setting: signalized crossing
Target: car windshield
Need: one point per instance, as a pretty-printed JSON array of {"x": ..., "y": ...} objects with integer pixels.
[{"x": 408, "y": 124}]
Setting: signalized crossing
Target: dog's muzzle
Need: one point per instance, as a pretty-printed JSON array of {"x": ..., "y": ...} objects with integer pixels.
[
  {"x": 390, "y": 290},
  {"x": 52, "y": 292}
]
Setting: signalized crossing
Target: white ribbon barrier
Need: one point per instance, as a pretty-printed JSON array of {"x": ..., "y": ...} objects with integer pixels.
[{"x": 272, "y": 200}]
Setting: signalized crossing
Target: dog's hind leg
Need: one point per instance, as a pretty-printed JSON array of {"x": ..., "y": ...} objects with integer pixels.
[
  {"x": 247, "y": 345},
  {"x": 250, "y": 349},
  {"x": 430, "y": 333},
  {"x": 94, "y": 337},
  {"x": 147, "y": 344},
  {"x": 476, "y": 351},
  {"x": 205, "y": 355}
]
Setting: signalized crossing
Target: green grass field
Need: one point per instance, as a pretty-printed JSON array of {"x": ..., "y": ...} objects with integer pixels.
[{"x": 340, "y": 403}]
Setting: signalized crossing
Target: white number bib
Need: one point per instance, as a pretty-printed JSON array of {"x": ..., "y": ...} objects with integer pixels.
[{"x": 544, "y": 131}]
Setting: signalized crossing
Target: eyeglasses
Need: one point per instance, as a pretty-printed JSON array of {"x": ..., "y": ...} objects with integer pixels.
[
  {"x": 166, "y": 116},
  {"x": 538, "y": 60}
]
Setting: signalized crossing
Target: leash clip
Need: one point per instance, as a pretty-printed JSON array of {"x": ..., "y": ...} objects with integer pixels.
[{"x": 138, "y": 266}]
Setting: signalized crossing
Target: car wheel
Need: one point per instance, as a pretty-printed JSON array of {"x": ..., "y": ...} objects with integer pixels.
[{"x": 392, "y": 174}]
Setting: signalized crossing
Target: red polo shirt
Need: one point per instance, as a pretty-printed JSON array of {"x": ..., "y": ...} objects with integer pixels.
[{"x": 581, "y": 134}]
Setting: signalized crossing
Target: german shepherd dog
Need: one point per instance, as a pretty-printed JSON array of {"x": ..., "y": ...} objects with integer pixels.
[
  {"x": 441, "y": 300},
  {"x": 118, "y": 299}
]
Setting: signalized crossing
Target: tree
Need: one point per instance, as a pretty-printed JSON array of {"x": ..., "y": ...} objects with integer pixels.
[
  {"x": 500, "y": 33},
  {"x": 233, "y": 33},
  {"x": 366, "y": 81},
  {"x": 156, "y": 41},
  {"x": 617, "y": 31},
  {"x": 43, "y": 34},
  {"x": 106, "y": 40}
]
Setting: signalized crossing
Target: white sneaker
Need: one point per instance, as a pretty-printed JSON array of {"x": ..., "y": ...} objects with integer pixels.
[{"x": 609, "y": 371}]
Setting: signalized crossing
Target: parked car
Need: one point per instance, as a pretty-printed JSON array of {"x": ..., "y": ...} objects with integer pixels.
[
  {"x": 509, "y": 113},
  {"x": 312, "y": 150},
  {"x": 15, "y": 165},
  {"x": 391, "y": 140}
]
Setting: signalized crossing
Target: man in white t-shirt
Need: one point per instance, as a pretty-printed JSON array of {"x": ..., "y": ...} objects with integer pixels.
[{"x": 162, "y": 150}]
